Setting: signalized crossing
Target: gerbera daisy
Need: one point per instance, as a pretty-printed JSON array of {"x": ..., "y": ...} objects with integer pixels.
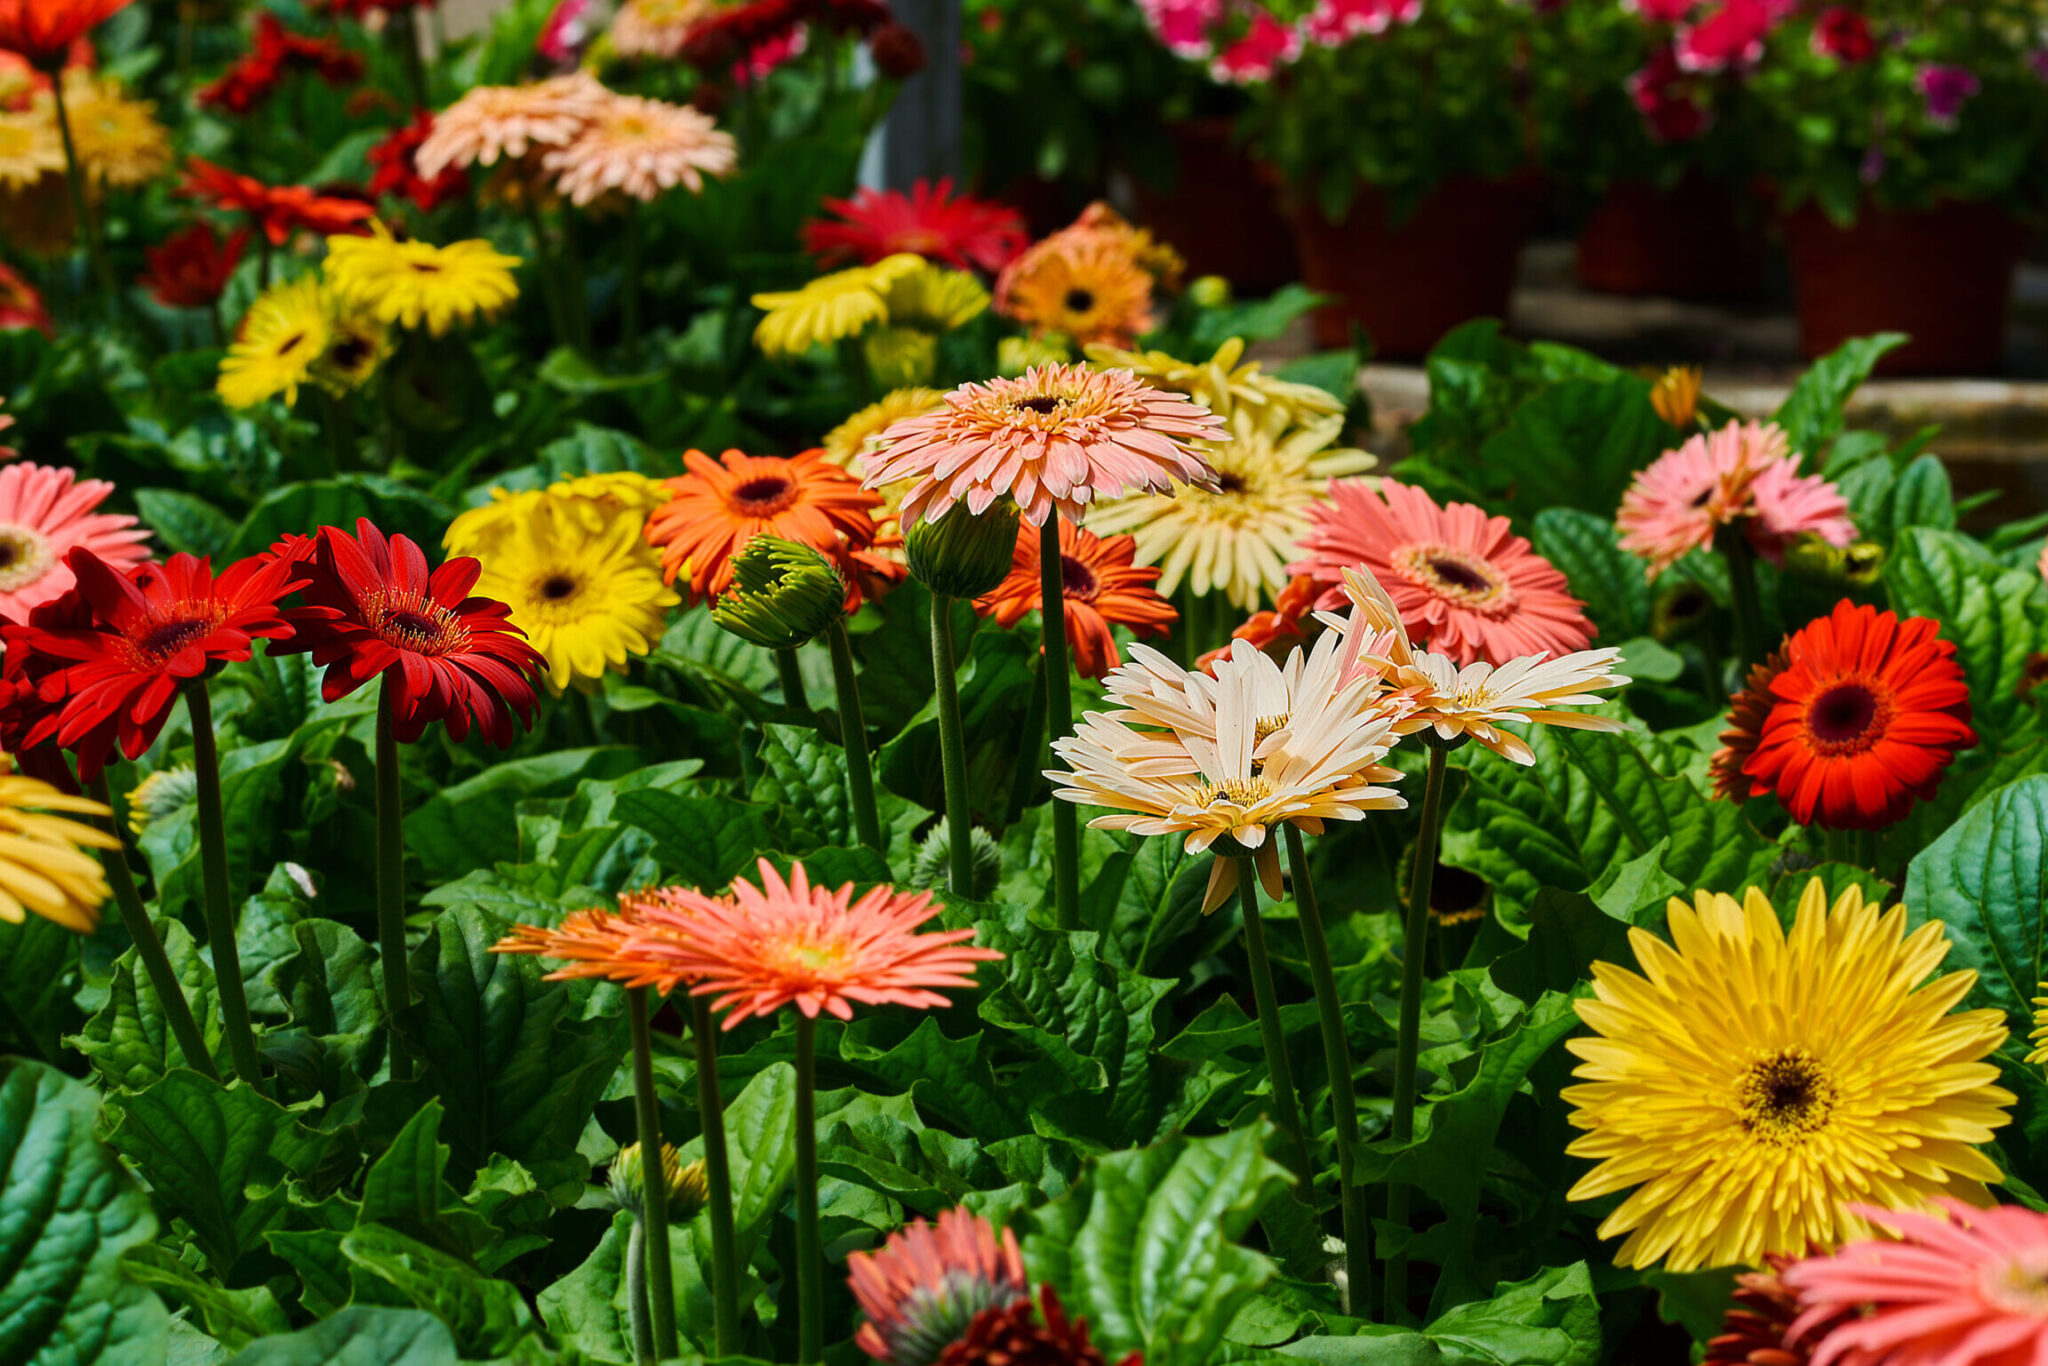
[
  {"x": 357, "y": 343},
  {"x": 395, "y": 168},
  {"x": 1744, "y": 473},
  {"x": 30, "y": 147},
  {"x": 1759, "y": 1329},
  {"x": 20, "y": 305},
  {"x": 1224, "y": 383},
  {"x": 586, "y": 599},
  {"x": 119, "y": 141},
  {"x": 191, "y": 268},
  {"x": 1060, "y": 438},
  {"x": 281, "y": 337},
  {"x": 589, "y": 943},
  {"x": 43, "y": 864},
  {"x": 722, "y": 504},
  {"x": 640, "y": 148},
  {"x": 44, "y": 30},
  {"x": 372, "y": 607},
  {"x": 934, "y": 298},
  {"x": 928, "y": 1282},
  {"x": 1466, "y": 586},
  {"x": 1101, "y": 226},
  {"x": 494, "y": 121},
  {"x": 279, "y": 210},
  {"x": 593, "y": 501},
  {"x": 1753, "y": 1085},
  {"x": 1747, "y": 711},
  {"x": 1091, "y": 291},
  {"x": 1235, "y": 541},
  {"x": 45, "y": 514},
  {"x": 1101, "y": 589},
  {"x": 788, "y": 943},
  {"x": 829, "y": 308},
  {"x": 963, "y": 232},
  {"x": 656, "y": 28},
  {"x": 848, "y": 444},
  {"x": 417, "y": 284}
]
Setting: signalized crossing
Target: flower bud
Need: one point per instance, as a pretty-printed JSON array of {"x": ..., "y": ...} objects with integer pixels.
[
  {"x": 963, "y": 555},
  {"x": 687, "y": 1188},
  {"x": 783, "y": 594},
  {"x": 1209, "y": 291},
  {"x": 931, "y": 866}
]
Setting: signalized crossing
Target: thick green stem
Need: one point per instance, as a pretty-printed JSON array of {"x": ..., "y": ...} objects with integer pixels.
[
  {"x": 1337, "y": 1061},
  {"x": 853, "y": 727},
  {"x": 725, "y": 1261},
  {"x": 810, "y": 1253},
  {"x": 1835, "y": 846},
  {"x": 544, "y": 267},
  {"x": 81, "y": 208},
  {"x": 952, "y": 751},
  {"x": 1286, "y": 1103},
  {"x": 1059, "y": 719},
  {"x": 1408, "y": 1037},
  {"x": 792, "y": 680},
  {"x": 629, "y": 281},
  {"x": 1030, "y": 749},
  {"x": 170, "y": 993},
  {"x": 405, "y": 34},
  {"x": 220, "y": 910},
  {"x": 661, "y": 1291},
  {"x": 637, "y": 1313},
  {"x": 391, "y": 881},
  {"x": 1743, "y": 601}
]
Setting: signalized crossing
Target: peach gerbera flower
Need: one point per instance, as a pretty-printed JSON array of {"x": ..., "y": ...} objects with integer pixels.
[
  {"x": 1465, "y": 584},
  {"x": 45, "y": 514},
  {"x": 656, "y": 28},
  {"x": 722, "y": 504},
  {"x": 1745, "y": 472},
  {"x": 640, "y": 148},
  {"x": 1059, "y": 438},
  {"x": 494, "y": 121},
  {"x": 788, "y": 943},
  {"x": 1100, "y": 587}
]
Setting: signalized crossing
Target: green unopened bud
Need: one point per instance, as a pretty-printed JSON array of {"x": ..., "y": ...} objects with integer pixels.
[
  {"x": 1863, "y": 563},
  {"x": 1210, "y": 291},
  {"x": 963, "y": 554},
  {"x": 686, "y": 1185},
  {"x": 900, "y": 357},
  {"x": 930, "y": 868},
  {"x": 783, "y": 594}
]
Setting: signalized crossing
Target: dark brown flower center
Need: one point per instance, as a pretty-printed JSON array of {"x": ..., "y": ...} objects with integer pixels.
[
  {"x": 1227, "y": 482},
  {"x": 1077, "y": 580},
  {"x": 1458, "y": 576},
  {"x": 555, "y": 587},
  {"x": 169, "y": 637},
  {"x": 349, "y": 352},
  {"x": 1847, "y": 718},
  {"x": 764, "y": 495},
  {"x": 425, "y": 267},
  {"x": 1042, "y": 403},
  {"x": 1785, "y": 1096},
  {"x": 1079, "y": 300}
]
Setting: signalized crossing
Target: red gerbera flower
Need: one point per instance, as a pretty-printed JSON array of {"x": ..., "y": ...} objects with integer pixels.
[
  {"x": 192, "y": 267},
  {"x": 397, "y": 174},
  {"x": 44, "y": 30},
  {"x": 733, "y": 33},
  {"x": 1866, "y": 716},
  {"x": 963, "y": 232},
  {"x": 20, "y": 305},
  {"x": 279, "y": 210},
  {"x": 276, "y": 53},
  {"x": 1100, "y": 587},
  {"x": 24, "y": 711},
  {"x": 373, "y": 607}
]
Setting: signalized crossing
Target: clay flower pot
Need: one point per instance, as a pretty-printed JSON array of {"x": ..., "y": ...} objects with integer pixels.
[
  {"x": 1222, "y": 212},
  {"x": 1691, "y": 240}
]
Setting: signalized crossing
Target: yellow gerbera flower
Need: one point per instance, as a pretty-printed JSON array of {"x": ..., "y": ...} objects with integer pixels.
[
  {"x": 43, "y": 864},
  {"x": 357, "y": 344},
  {"x": 119, "y": 141},
  {"x": 283, "y": 335},
  {"x": 595, "y": 501},
  {"x": 1223, "y": 382},
  {"x": 29, "y": 148},
  {"x": 846, "y": 444},
  {"x": 1751, "y": 1085},
  {"x": 935, "y": 298},
  {"x": 413, "y": 284},
  {"x": 1017, "y": 355},
  {"x": 831, "y": 307}
]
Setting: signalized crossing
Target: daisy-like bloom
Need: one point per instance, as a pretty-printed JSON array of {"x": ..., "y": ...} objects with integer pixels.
[
  {"x": 586, "y": 599},
  {"x": 960, "y": 231},
  {"x": 1676, "y": 396},
  {"x": 42, "y": 31},
  {"x": 30, "y": 146},
  {"x": 191, "y": 268},
  {"x": 45, "y": 514},
  {"x": 829, "y": 308},
  {"x": 417, "y": 284},
  {"x": 935, "y": 298},
  {"x": 787, "y": 943},
  {"x": 1866, "y": 716},
  {"x": 1236, "y": 540},
  {"x": 1100, "y": 588},
  {"x": 1759, "y": 1329},
  {"x": 1746, "y": 473},
  {"x": 1747, "y": 712},
  {"x": 372, "y": 607},
  {"x": 491, "y": 122},
  {"x": 656, "y": 28},
  {"x": 395, "y": 168},
  {"x": 1100, "y": 225},
  {"x": 20, "y": 305},
  {"x": 1754, "y": 1085},
  {"x": 640, "y": 148},
  {"x": 1465, "y": 584},
  {"x": 275, "y": 54},
  {"x": 1060, "y": 438},
  {"x": 589, "y": 943},
  {"x": 162, "y": 793},
  {"x": 284, "y": 333},
  {"x": 594, "y": 501},
  {"x": 722, "y": 504},
  {"x": 119, "y": 140},
  {"x": 1090, "y": 290},
  {"x": 357, "y": 343},
  {"x": 1952, "y": 1286},
  {"x": 1223, "y": 383},
  {"x": 929, "y": 1282},
  {"x": 278, "y": 210},
  {"x": 44, "y": 868}
]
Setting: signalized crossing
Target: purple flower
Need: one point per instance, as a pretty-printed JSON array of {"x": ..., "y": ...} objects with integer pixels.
[{"x": 1946, "y": 89}]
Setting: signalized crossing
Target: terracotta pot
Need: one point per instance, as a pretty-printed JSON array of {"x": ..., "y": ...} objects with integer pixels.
[
  {"x": 1449, "y": 262},
  {"x": 1222, "y": 213},
  {"x": 1943, "y": 276},
  {"x": 1690, "y": 241}
]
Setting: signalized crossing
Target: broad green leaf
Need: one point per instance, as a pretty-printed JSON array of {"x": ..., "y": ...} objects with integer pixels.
[
  {"x": 760, "y": 1135},
  {"x": 233, "y": 1318},
  {"x": 35, "y": 959},
  {"x": 586, "y": 1310},
  {"x": 1812, "y": 413},
  {"x": 949, "y": 1076},
  {"x": 68, "y": 1212},
  {"x": 487, "y": 1316},
  {"x": 403, "y": 1187},
  {"x": 1576, "y": 445},
  {"x": 1986, "y": 879},
  {"x": 129, "y": 1040},
  {"x": 805, "y": 777},
  {"x": 1983, "y": 606},
  {"x": 1551, "y": 1319},
  {"x": 1567, "y": 935},
  {"x": 300, "y": 508},
  {"x": 601, "y": 450},
  {"x": 1612, "y": 582},
  {"x": 359, "y": 1336},
  {"x": 329, "y": 987},
  {"x": 471, "y": 825},
  {"x": 185, "y": 522},
  {"x": 251, "y": 777},
  {"x": 706, "y": 841}
]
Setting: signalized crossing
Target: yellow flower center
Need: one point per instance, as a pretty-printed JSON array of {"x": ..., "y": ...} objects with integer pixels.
[
  {"x": 2019, "y": 1285},
  {"x": 410, "y": 621},
  {"x": 1784, "y": 1097},
  {"x": 24, "y": 557},
  {"x": 1463, "y": 578},
  {"x": 1239, "y": 792}
]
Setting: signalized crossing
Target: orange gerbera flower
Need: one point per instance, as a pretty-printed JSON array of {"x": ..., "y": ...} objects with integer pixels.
[
  {"x": 589, "y": 941},
  {"x": 722, "y": 504},
  {"x": 44, "y": 30},
  {"x": 1101, "y": 586},
  {"x": 788, "y": 943},
  {"x": 1091, "y": 290}
]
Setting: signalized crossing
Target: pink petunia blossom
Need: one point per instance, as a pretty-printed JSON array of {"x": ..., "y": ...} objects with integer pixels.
[
  {"x": 1264, "y": 48},
  {"x": 1732, "y": 35},
  {"x": 1333, "y": 23},
  {"x": 1946, "y": 89}
]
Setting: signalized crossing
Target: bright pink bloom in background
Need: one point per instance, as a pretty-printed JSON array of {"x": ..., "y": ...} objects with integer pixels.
[
  {"x": 1662, "y": 11},
  {"x": 1182, "y": 26},
  {"x": 1334, "y": 22},
  {"x": 1744, "y": 472},
  {"x": 45, "y": 514},
  {"x": 1732, "y": 35},
  {"x": 1265, "y": 46},
  {"x": 1946, "y": 89},
  {"x": 1663, "y": 94}
]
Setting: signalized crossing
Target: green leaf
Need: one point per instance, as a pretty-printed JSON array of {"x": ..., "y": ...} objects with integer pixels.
[
  {"x": 948, "y": 1076},
  {"x": 298, "y": 509},
  {"x": 590, "y": 449},
  {"x": 1568, "y": 933},
  {"x": 705, "y": 841},
  {"x": 1983, "y": 606},
  {"x": 251, "y": 777},
  {"x": 362, "y": 1335},
  {"x": 35, "y": 959},
  {"x": 329, "y": 987},
  {"x": 760, "y": 1131},
  {"x": 805, "y": 776},
  {"x": 232, "y": 1317},
  {"x": 403, "y": 1187},
  {"x": 68, "y": 1212},
  {"x": 1145, "y": 1246},
  {"x": 1551, "y": 1319},
  {"x": 472, "y": 824},
  {"x": 1612, "y": 582},
  {"x": 1576, "y": 445},
  {"x": 185, "y": 522},
  {"x": 1985, "y": 880},
  {"x": 129, "y": 1040},
  {"x": 487, "y": 1316},
  {"x": 1812, "y": 413}
]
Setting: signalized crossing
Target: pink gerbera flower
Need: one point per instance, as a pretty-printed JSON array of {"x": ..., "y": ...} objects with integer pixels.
[
  {"x": 928, "y": 1283},
  {"x": 1963, "y": 1287},
  {"x": 45, "y": 514},
  {"x": 1466, "y": 586},
  {"x": 1744, "y": 472}
]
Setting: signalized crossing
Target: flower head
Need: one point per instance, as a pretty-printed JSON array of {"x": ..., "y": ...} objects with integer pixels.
[
  {"x": 43, "y": 864},
  {"x": 1946, "y": 89},
  {"x": 276, "y": 53},
  {"x": 960, "y": 231},
  {"x": 640, "y": 148},
  {"x": 830, "y": 308},
  {"x": 656, "y": 28},
  {"x": 279, "y": 210},
  {"x": 1028, "y": 1335},
  {"x": 1844, "y": 33},
  {"x": 720, "y": 505},
  {"x": 30, "y": 146},
  {"x": 1100, "y": 588},
  {"x": 282, "y": 337},
  {"x": 491, "y": 122},
  {"x": 595, "y": 501},
  {"x": 934, "y": 298},
  {"x": 119, "y": 140},
  {"x": 783, "y": 594},
  {"x": 1225, "y": 383},
  {"x": 45, "y": 514},
  {"x": 1753, "y": 1086},
  {"x": 1262, "y": 49},
  {"x": 191, "y": 268},
  {"x": 1731, "y": 34},
  {"x": 417, "y": 284},
  {"x": 1747, "y": 712},
  {"x": 42, "y": 31},
  {"x": 1676, "y": 396},
  {"x": 1742, "y": 474},
  {"x": 1758, "y": 1330},
  {"x": 1091, "y": 290},
  {"x": 396, "y": 173},
  {"x": 929, "y": 1282}
]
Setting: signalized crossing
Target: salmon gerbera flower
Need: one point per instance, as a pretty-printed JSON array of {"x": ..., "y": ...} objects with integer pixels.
[
  {"x": 45, "y": 514},
  {"x": 373, "y": 608},
  {"x": 960, "y": 231},
  {"x": 928, "y": 1284},
  {"x": 491, "y": 122},
  {"x": 1057, "y": 439},
  {"x": 1866, "y": 716},
  {"x": 722, "y": 504},
  {"x": 1465, "y": 584},
  {"x": 1100, "y": 588},
  {"x": 1744, "y": 474}
]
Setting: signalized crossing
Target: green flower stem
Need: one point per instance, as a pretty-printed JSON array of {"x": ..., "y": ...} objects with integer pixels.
[
  {"x": 792, "y": 679},
  {"x": 550, "y": 282},
  {"x": 629, "y": 280},
  {"x": 391, "y": 880},
  {"x": 220, "y": 911},
  {"x": 1408, "y": 1038},
  {"x": 1030, "y": 748},
  {"x": 810, "y": 1253},
  {"x": 636, "y": 1292},
  {"x": 653, "y": 1218},
  {"x": 952, "y": 751},
  {"x": 1743, "y": 601},
  {"x": 1337, "y": 1061},
  {"x": 81, "y": 209},
  {"x": 1835, "y": 846},
  {"x": 148, "y": 946},
  {"x": 853, "y": 726},
  {"x": 725, "y": 1262},
  {"x": 405, "y": 35},
  {"x": 1059, "y": 715},
  {"x": 1286, "y": 1104}
]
